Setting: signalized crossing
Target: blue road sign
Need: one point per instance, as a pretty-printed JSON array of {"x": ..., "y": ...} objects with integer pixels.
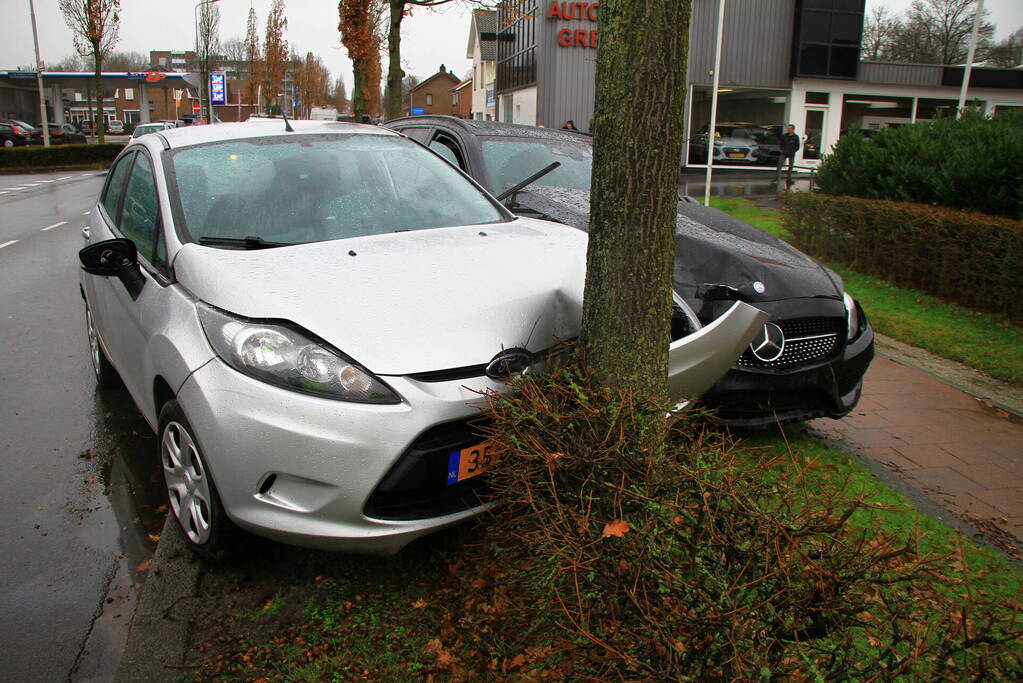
[{"x": 418, "y": 111}]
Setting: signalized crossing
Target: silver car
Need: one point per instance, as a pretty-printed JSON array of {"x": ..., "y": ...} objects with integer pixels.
[{"x": 307, "y": 318}]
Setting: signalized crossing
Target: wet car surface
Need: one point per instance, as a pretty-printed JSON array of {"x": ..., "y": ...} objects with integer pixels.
[
  {"x": 79, "y": 490},
  {"x": 816, "y": 347}
]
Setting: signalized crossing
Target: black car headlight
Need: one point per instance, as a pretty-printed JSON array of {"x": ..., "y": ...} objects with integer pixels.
[{"x": 283, "y": 355}]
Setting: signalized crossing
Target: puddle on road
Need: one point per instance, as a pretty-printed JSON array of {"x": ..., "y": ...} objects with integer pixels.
[{"x": 119, "y": 471}]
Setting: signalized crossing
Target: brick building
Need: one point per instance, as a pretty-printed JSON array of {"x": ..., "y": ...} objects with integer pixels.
[{"x": 435, "y": 96}]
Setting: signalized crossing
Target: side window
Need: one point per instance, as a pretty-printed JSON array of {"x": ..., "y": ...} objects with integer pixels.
[
  {"x": 112, "y": 194},
  {"x": 418, "y": 133},
  {"x": 448, "y": 148},
  {"x": 141, "y": 208}
]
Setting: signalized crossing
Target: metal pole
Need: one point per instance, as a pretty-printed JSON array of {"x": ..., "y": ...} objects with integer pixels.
[
  {"x": 207, "y": 77},
  {"x": 39, "y": 78},
  {"x": 712, "y": 128},
  {"x": 969, "y": 58}
]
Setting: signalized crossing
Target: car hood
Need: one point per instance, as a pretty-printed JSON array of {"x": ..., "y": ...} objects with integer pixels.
[
  {"x": 409, "y": 302},
  {"x": 711, "y": 247}
]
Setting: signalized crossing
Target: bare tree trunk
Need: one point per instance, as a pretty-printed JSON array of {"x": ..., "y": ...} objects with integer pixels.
[
  {"x": 394, "y": 70},
  {"x": 637, "y": 150},
  {"x": 101, "y": 122},
  {"x": 360, "y": 104}
]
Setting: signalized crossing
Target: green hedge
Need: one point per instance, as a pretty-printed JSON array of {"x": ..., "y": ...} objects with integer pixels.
[
  {"x": 969, "y": 258},
  {"x": 972, "y": 163},
  {"x": 59, "y": 155}
]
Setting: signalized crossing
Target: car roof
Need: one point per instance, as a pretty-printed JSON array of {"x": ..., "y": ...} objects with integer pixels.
[
  {"x": 197, "y": 135},
  {"x": 493, "y": 128}
]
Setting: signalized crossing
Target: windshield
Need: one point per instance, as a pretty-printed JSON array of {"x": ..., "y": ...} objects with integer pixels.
[
  {"x": 512, "y": 160},
  {"x": 310, "y": 188}
]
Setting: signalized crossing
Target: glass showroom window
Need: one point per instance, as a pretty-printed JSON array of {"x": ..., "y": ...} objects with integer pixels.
[{"x": 750, "y": 122}]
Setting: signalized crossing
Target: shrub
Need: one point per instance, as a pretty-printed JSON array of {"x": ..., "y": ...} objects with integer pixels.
[
  {"x": 674, "y": 560},
  {"x": 970, "y": 258},
  {"x": 971, "y": 163},
  {"x": 59, "y": 155}
]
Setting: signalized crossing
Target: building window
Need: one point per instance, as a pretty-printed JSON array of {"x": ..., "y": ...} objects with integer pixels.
[
  {"x": 826, "y": 39},
  {"x": 429, "y": 100},
  {"x": 516, "y": 46},
  {"x": 129, "y": 93},
  {"x": 454, "y": 99},
  {"x": 749, "y": 124}
]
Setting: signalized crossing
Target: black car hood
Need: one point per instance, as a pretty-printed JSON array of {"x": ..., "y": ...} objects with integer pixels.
[{"x": 711, "y": 247}]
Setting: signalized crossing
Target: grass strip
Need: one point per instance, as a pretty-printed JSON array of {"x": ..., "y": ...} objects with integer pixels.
[{"x": 986, "y": 342}]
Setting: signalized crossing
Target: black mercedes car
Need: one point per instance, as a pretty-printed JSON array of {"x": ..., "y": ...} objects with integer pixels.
[{"x": 810, "y": 359}]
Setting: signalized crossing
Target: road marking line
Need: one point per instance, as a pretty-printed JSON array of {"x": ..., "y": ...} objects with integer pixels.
[
  {"x": 8, "y": 243},
  {"x": 48, "y": 181},
  {"x": 87, "y": 213},
  {"x": 55, "y": 225},
  {"x": 66, "y": 177},
  {"x": 30, "y": 184},
  {"x": 3, "y": 192}
]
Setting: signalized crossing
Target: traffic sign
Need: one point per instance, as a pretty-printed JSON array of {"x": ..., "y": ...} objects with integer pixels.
[{"x": 195, "y": 108}]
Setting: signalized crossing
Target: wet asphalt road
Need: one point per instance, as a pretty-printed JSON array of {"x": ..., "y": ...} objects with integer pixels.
[{"x": 78, "y": 489}]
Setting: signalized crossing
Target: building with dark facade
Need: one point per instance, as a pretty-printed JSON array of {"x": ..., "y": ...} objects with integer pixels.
[
  {"x": 783, "y": 61},
  {"x": 434, "y": 95}
]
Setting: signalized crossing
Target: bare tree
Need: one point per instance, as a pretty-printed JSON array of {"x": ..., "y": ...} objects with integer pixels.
[
  {"x": 880, "y": 31},
  {"x": 206, "y": 49},
  {"x": 1007, "y": 53},
  {"x": 254, "y": 60},
  {"x": 275, "y": 52},
  {"x": 126, "y": 61},
  {"x": 938, "y": 32},
  {"x": 340, "y": 96},
  {"x": 95, "y": 25},
  {"x": 233, "y": 50},
  {"x": 636, "y": 144},
  {"x": 68, "y": 63}
]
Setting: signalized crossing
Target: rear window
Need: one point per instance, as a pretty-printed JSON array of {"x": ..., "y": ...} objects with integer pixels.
[{"x": 310, "y": 188}]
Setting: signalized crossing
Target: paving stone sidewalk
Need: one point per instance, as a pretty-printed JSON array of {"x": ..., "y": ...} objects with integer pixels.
[{"x": 960, "y": 451}]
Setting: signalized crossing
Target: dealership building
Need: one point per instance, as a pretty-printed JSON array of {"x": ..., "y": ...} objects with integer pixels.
[{"x": 782, "y": 61}]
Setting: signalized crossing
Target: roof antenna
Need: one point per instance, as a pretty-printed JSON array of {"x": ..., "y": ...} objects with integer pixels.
[{"x": 287, "y": 126}]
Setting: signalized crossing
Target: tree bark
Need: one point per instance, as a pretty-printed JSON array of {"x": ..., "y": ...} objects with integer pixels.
[
  {"x": 101, "y": 122},
  {"x": 360, "y": 103},
  {"x": 395, "y": 74},
  {"x": 637, "y": 149}
]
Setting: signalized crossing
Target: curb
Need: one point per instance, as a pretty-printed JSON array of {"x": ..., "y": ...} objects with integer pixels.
[{"x": 158, "y": 634}]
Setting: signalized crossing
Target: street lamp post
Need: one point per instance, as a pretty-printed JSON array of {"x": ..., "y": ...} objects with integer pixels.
[
  {"x": 39, "y": 78},
  {"x": 203, "y": 76}
]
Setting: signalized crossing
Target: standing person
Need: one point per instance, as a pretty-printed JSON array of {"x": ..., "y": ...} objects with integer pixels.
[
  {"x": 569, "y": 125},
  {"x": 789, "y": 147}
]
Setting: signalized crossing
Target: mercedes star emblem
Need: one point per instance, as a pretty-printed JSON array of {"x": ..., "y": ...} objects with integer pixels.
[{"x": 769, "y": 344}]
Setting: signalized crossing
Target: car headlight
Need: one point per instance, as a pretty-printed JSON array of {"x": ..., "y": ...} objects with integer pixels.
[
  {"x": 287, "y": 357},
  {"x": 852, "y": 316}
]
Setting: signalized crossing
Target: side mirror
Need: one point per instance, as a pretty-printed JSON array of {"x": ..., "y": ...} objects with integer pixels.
[
  {"x": 115, "y": 258},
  {"x": 110, "y": 257}
]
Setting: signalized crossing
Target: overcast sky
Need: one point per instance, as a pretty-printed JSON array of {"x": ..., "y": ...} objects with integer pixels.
[{"x": 430, "y": 37}]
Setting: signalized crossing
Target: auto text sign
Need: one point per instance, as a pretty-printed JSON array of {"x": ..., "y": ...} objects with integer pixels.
[{"x": 218, "y": 88}]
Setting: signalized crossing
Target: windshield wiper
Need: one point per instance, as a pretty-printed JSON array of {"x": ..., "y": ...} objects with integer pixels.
[
  {"x": 250, "y": 242},
  {"x": 531, "y": 179}
]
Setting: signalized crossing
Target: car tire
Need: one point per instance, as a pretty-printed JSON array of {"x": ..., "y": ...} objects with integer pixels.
[
  {"x": 106, "y": 374},
  {"x": 8, "y": 143},
  {"x": 192, "y": 496}
]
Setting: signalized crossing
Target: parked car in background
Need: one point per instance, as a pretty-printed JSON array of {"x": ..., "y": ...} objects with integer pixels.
[
  {"x": 65, "y": 133},
  {"x": 310, "y": 329},
  {"x": 87, "y": 126},
  {"x": 144, "y": 128},
  {"x": 115, "y": 127},
  {"x": 811, "y": 356},
  {"x": 12, "y": 135},
  {"x": 23, "y": 133},
  {"x": 727, "y": 150},
  {"x": 173, "y": 123},
  {"x": 766, "y": 138}
]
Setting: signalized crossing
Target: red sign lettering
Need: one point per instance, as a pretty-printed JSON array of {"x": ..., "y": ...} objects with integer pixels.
[{"x": 579, "y": 11}]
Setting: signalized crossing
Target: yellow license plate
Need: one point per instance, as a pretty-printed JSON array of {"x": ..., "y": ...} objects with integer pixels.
[
  {"x": 736, "y": 155},
  {"x": 469, "y": 462}
]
